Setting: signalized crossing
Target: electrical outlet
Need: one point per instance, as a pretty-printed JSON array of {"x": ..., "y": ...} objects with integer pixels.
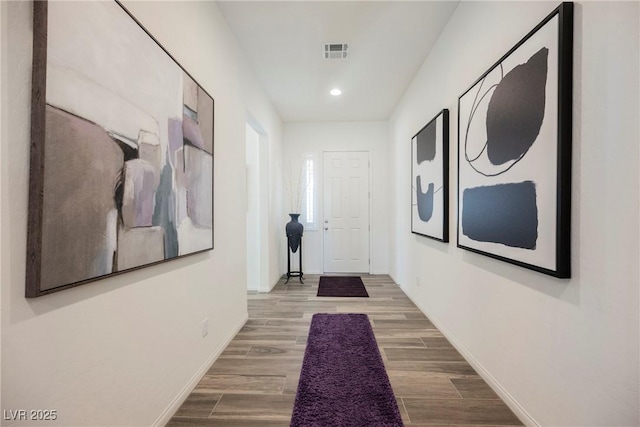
[
  {"x": 418, "y": 282},
  {"x": 205, "y": 327}
]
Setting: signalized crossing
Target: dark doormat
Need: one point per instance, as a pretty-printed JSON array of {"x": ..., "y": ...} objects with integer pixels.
[
  {"x": 341, "y": 286},
  {"x": 343, "y": 381}
]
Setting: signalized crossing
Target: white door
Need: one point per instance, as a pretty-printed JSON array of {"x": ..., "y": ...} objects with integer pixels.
[{"x": 346, "y": 212}]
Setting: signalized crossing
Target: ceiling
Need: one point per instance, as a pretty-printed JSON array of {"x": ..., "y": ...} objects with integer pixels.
[{"x": 388, "y": 41}]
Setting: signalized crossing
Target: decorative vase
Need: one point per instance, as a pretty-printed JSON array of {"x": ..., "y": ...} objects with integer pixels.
[{"x": 294, "y": 232}]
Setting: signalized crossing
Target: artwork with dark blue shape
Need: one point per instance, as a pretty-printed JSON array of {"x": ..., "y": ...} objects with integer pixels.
[
  {"x": 514, "y": 152},
  {"x": 425, "y": 200},
  {"x": 430, "y": 179},
  {"x": 426, "y": 143},
  {"x": 504, "y": 213},
  {"x": 516, "y": 110}
]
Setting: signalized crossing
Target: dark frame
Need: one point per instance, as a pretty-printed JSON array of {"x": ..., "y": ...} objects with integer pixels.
[
  {"x": 37, "y": 158},
  {"x": 564, "y": 12},
  {"x": 445, "y": 176}
]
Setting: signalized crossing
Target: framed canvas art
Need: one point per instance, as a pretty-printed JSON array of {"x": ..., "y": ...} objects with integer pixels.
[
  {"x": 430, "y": 179},
  {"x": 122, "y": 149},
  {"x": 514, "y": 152}
]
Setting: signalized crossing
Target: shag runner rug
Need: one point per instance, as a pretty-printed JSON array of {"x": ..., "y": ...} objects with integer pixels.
[
  {"x": 341, "y": 286},
  {"x": 343, "y": 381}
]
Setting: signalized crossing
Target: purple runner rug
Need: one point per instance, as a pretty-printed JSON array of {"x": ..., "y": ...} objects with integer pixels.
[
  {"x": 341, "y": 286},
  {"x": 343, "y": 381}
]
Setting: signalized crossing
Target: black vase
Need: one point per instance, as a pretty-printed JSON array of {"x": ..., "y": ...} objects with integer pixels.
[{"x": 294, "y": 232}]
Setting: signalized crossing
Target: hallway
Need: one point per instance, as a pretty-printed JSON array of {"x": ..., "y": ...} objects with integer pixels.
[{"x": 254, "y": 381}]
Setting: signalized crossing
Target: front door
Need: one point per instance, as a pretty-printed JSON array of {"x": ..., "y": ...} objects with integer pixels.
[{"x": 346, "y": 212}]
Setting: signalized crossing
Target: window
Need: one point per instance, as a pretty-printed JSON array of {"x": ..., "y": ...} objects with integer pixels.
[{"x": 309, "y": 196}]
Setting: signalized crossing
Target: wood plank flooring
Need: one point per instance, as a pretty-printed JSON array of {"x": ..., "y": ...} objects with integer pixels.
[{"x": 254, "y": 381}]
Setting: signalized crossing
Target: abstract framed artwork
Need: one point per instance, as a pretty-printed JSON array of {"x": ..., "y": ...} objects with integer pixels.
[
  {"x": 430, "y": 179},
  {"x": 514, "y": 152},
  {"x": 121, "y": 173}
]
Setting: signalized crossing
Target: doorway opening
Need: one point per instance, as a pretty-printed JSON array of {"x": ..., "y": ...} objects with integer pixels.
[{"x": 257, "y": 208}]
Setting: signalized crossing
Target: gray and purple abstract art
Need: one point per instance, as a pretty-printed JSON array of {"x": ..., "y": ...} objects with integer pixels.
[{"x": 128, "y": 177}]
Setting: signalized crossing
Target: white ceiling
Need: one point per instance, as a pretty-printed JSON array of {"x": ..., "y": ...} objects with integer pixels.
[{"x": 388, "y": 41}]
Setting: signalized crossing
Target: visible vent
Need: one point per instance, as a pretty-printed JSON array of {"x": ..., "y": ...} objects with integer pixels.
[{"x": 335, "y": 50}]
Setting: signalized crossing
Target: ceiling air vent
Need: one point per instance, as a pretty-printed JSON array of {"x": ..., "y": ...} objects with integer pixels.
[{"x": 335, "y": 51}]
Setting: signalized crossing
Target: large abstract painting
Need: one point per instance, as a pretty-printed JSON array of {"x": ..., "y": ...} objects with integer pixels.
[
  {"x": 122, "y": 149},
  {"x": 430, "y": 179},
  {"x": 514, "y": 152}
]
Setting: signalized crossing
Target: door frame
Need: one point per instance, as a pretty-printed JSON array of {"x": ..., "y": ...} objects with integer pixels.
[{"x": 321, "y": 187}]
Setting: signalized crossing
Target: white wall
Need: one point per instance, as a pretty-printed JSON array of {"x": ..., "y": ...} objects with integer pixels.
[
  {"x": 313, "y": 138},
  {"x": 562, "y": 352},
  {"x": 120, "y": 351}
]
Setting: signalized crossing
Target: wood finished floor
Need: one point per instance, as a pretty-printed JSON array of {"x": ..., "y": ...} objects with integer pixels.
[{"x": 254, "y": 381}]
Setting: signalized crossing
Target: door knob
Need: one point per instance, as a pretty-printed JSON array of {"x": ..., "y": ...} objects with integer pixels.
[
  {"x": 326, "y": 221},
  {"x": 326, "y": 228}
]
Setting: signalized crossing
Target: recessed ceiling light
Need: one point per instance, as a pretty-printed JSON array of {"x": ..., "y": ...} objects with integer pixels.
[{"x": 336, "y": 92}]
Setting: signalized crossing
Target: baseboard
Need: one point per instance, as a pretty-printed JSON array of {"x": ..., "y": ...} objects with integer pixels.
[
  {"x": 400, "y": 286},
  {"x": 509, "y": 400},
  {"x": 175, "y": 404},
  {"x": 379, "y": 272},
  {"x": 270, "y": 288}
]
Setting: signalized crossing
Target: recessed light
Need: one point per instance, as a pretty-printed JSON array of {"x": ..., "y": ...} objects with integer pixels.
[{"x": 336, "y": 92}]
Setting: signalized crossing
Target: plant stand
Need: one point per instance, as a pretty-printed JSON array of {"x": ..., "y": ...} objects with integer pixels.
[{"x": 290, "y": 273}]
